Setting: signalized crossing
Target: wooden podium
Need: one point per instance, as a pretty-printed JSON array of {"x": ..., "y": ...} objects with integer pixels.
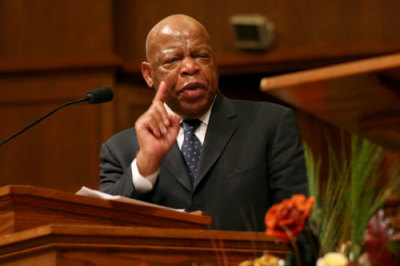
[
  {"x": 25, "y": 207},
  {"x": 360, "y": 96},
  {"x": 46, "y": 227}
]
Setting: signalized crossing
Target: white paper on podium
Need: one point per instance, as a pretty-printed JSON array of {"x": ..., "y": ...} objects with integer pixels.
[{"x": 85, "y": 191}]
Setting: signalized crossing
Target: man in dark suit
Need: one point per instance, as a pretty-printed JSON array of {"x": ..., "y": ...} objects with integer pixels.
[{"x": 251, "y": 153}]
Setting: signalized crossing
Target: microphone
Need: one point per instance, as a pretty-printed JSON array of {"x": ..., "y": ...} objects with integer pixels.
[{"x": 99, "y": 95}]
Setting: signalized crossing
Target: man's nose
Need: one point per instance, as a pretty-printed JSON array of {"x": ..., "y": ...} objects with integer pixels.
[{"x": 189, "y": 66}]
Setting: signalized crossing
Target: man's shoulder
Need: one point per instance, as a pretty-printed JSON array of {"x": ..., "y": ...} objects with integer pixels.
[
  {"x": 257, "y": 106},
  {"x": 121, "y": 147},
  {"x": 123, "y": 138}
]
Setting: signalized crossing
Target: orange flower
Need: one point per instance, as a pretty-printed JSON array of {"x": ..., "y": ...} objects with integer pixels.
[{"x": 287, "y": 219}]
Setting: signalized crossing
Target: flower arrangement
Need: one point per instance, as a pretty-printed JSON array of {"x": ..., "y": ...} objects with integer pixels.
[
  {"x": 353, "y": 194},
  {"x": 344, "y": 210}
]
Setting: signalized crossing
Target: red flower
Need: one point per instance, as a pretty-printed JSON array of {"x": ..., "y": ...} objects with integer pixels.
[
  {"x": 376, "y": 238},
  {"x": 287, "y": 219}
]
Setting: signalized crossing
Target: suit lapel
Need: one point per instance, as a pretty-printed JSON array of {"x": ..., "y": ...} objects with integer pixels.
[
  {"x": 175, "y": 164},
  {"x": 223, "y": 123}
]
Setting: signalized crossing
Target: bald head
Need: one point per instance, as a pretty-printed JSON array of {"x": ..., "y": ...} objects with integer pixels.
[{"x": 174, "y": 25}]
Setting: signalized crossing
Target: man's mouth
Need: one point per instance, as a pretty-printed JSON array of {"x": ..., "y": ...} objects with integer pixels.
[
  {"x": 193, "y": 86},
  {"x": 193, "y": 90}
]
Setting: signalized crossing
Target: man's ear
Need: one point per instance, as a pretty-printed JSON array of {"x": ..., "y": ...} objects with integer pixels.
[{"x": 146, "y": 72}]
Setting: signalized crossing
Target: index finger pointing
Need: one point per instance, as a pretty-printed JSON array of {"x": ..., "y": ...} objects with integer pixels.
[{"x": 161, "y": 92}]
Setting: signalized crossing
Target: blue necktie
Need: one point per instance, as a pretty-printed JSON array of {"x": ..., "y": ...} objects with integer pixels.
[{"x": 191, "y": 147}]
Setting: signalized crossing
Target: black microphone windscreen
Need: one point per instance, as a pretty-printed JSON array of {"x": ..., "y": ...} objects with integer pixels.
[{"x": 100, "y": 95}]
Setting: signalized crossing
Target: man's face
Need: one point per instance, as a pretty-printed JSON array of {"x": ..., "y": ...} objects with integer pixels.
[{"x": 180, "y": 54}]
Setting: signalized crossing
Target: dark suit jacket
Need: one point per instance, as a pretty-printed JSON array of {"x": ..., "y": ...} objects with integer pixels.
[{"x": 252, "y": 157}]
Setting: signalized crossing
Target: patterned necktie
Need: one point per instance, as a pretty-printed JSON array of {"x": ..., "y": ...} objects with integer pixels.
[{"x": 191, "y": 147}]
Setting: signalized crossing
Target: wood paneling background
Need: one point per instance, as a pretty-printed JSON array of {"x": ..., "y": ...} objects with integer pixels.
[
  {"x": 307, "y": 32},
  {"x": 54, "y": 51}
]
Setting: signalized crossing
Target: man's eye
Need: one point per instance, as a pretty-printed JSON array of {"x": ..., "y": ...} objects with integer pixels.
[
  {"x": 203, "y": 56},
  {"x": 170, "y": 60}
]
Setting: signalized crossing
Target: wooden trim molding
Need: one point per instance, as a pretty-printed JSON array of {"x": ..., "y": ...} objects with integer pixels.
[{"x": 59, "y": 244}]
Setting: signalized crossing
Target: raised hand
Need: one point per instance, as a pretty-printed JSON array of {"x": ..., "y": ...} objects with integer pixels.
[{"x": 156, "y": 132}]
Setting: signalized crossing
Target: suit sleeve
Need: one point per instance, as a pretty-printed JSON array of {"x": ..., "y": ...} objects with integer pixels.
[
  {"x": 115, "y": 174},
  {"x": 288, "y": 173}
]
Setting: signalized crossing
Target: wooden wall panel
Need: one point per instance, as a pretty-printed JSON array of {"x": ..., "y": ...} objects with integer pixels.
[
  {"x": 52, "y": 52},
  {"x": 133, "y": 100},
  {"x": 305, "y": 31},
  {"x": 62, "y": 151},
  {"x": 43, "y": 30}
]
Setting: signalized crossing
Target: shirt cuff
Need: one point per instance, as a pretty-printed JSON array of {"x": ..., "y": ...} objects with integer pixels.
[{"x": 143, "y": 184}]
